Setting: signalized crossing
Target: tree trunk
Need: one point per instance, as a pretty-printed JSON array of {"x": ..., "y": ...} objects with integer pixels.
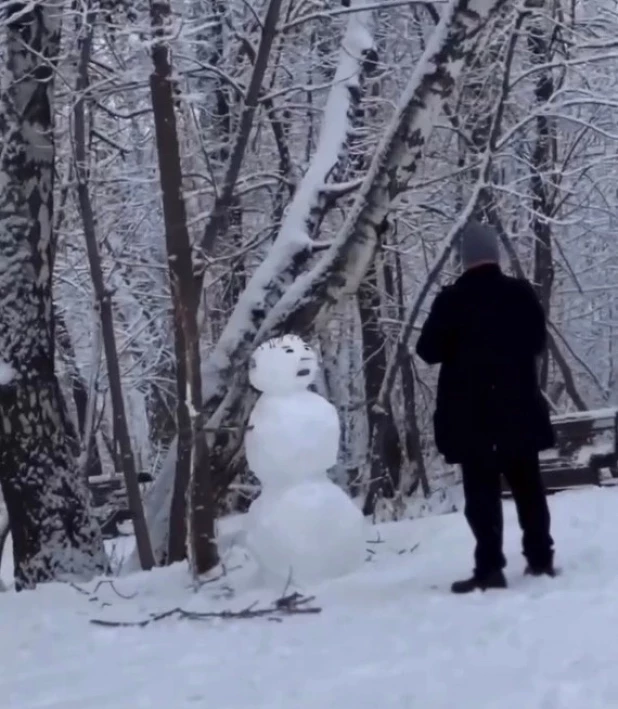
[
  {"x": 91, "y": 465},
  {"x": 104, "y": 301},
  {"x": 210, "y": 51},
  {"x": 394, "y": 163},
  {"x": 414, "y": 448},
  {"x": 385, "y": 453},
  {"x": 542, "y": 165},
  {"x": 385, "y": 449},
  {"x": 195, "y": 529},
  {"x": 79, "y": 387},
  {"x": 54, "y": 534},
  {"x": 159, "y": 387}
]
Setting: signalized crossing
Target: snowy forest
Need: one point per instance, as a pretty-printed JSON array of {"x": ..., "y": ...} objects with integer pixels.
[{"x": 181, "y": 180}]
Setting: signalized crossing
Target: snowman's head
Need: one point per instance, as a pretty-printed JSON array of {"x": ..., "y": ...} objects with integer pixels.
[{"x": 283, "y": 365}]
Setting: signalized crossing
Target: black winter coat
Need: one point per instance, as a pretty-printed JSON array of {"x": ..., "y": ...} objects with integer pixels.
[{"x": 486, "y": 331}]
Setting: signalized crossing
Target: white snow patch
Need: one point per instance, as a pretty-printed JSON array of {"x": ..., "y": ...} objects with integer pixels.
[
  {"x": 586, "y": 453},
  {"x": 7, "y": 373},
  {"x": 389, "y": 635},
  {"x": 608, "y": 413}
]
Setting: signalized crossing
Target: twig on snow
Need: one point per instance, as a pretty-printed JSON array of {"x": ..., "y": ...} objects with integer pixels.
[
  {"x": 114, "y": 589},
  {"x": 293, "y": 604},
  {"x": 92, "y": 594}
]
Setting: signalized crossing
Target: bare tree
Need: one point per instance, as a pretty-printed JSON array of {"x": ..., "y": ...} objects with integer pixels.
[{"x": 104, "y": 298}]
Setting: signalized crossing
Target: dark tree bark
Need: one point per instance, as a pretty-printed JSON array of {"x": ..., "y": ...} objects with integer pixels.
[
  {"x": 54, "y": 534},
  {"x": 414, "y": 449},
  {"x": 385, "y": 450},
  {"x": 5, "y": 529},
  {"x": 385, "y": 447},
  {"x": 194, "y": 527},
  {"x": 542, "y": 166},
  {"x": 385, "y": 438},
  {"x": 210, "y": 50},
  {"x": 217, "y": 222},
  {"x": 104, "y": 301}
]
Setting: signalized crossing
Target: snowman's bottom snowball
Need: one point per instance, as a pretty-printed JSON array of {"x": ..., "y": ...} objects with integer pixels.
[{"x": 308, "y": 533}]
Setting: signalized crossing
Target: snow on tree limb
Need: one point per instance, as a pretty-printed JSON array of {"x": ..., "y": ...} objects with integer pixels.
[
  {"x": 491, "y": 133},
  {"x": 7, "y": 373},
  {"x": 293, "y": 245},
  {"x": 342, "y": 268},
  {"x": 395, "y": 161}
]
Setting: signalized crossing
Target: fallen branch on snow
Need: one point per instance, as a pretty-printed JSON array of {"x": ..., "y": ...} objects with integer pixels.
[
  {"x": 294, "y": 604},
  {"x": 92, "y": 593}
]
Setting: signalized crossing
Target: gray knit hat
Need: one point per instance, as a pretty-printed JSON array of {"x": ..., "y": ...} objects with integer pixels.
[{"x": 479, "y": 244}]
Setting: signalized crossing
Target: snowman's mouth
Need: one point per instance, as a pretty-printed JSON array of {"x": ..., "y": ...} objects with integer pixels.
[{"x": 303, "y": 372}]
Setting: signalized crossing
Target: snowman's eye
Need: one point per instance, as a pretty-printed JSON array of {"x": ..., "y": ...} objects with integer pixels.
[{"x": 289, "y": 350}]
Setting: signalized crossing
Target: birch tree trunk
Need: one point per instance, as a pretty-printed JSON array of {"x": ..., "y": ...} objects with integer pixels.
[
  {"x": 54, "y": 534},
  {"x": 395, "y": 162},
  {"x": 308, "y": 303},
  {"x": 293, "y": 246}
]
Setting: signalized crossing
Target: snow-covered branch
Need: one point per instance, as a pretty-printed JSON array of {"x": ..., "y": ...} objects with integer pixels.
[
  {"x": 293, "y": 245},
  {"x": 394, "y": 162}
]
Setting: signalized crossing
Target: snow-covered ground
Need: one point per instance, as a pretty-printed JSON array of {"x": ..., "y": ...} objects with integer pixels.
[{"x": 389, "y": 636}]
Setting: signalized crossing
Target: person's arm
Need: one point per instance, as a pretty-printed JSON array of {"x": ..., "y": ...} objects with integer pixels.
[
  {"x": 435, "y": 341},
  {"x": 536, "y": 322}
]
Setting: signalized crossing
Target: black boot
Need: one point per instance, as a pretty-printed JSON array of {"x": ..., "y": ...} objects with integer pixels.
[
  {"x": 480, "y": 582},
  {"x": 541, "y": 570}
]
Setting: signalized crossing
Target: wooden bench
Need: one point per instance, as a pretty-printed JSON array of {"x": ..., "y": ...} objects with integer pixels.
[
  {"x": 109, "y": 501},
  {"x": 586, "y": 448}
]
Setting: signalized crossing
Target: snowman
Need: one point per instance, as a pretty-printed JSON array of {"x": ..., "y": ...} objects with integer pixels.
[{"x": 303, "y": 528}]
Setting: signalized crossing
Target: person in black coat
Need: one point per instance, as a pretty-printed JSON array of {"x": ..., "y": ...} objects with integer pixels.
[{"x": 486, "y": 331}]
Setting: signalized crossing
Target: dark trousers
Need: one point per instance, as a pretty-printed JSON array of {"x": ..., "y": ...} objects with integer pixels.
[{"x": 483, "y": 510}]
